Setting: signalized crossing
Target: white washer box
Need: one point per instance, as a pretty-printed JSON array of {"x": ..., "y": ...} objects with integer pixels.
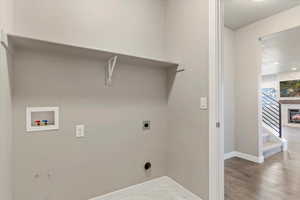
[{"x": 51, "y": 114}]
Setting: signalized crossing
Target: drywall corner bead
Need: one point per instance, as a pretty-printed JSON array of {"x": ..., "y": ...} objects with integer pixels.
[
  {"x": 1, "y": 33},
  {"x": 3, "y": 38}
]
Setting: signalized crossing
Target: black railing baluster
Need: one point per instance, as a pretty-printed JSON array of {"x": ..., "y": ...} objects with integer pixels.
[
  {"x": 280, "y": 125},
  {"x": 271, "y": 113}
]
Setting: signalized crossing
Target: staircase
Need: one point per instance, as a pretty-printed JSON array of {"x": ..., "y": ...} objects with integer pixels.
[{"x": 272, "y": 127}]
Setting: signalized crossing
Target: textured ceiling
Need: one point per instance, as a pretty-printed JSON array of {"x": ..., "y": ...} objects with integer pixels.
[{"x": 239, "y": 13}]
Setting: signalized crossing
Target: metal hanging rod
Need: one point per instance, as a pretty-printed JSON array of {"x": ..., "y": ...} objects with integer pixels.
[{"x": 180, "y": 70}]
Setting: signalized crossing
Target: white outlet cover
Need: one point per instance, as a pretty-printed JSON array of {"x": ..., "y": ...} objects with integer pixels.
[
  {"x": 80, "y": 130},
  {"x": 203, "y": 103}
]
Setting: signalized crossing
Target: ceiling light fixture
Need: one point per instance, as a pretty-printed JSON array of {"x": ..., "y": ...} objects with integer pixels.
[
  {"x": 276, "y": 63},
  {"x": 257, "y": 0}
]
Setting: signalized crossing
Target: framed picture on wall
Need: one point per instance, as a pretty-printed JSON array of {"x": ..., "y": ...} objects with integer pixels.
[{"x": 289, "y": 89}]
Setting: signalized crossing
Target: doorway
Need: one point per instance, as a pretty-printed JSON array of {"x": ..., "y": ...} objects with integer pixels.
[{"x": 251, "y": 167}]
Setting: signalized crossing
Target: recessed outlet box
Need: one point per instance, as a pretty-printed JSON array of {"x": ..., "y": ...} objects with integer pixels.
[
  {"x": 42, "y": 118},
  {"x": 146, "y": 125}
]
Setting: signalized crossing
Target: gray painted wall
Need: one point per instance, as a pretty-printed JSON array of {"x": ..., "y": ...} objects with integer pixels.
[
  {"x": 113, "y": 153},
  {"x": 249, "y": 58},
  {"x": 5, "y": 127},
  {"x": 7, "y": 15},
  {"x": 82, "y": 168},
  {"x": 187, "y": 41},
  {"x": 115, "y": 148},
  {"x": 5, "y": 107},
  {"x": 229, "y": 90},
  {"x": 131, "y": 27}
]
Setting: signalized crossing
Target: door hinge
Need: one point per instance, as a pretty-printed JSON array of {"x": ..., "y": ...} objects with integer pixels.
[{"x": 218, "y": 124}]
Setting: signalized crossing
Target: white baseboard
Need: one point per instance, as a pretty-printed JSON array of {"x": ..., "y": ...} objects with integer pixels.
[
  {"x": 285, "y": 144},
  {"x": 244, "y": 156},
  {"x": 230, "y": 155}
]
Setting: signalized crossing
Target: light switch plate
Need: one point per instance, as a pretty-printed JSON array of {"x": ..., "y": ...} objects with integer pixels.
[
  {"x": 203, "y": 103},
  {"x": 80, "y": 131}
]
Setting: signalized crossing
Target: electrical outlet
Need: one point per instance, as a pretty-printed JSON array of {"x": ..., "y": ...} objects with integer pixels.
[
  {"x": 146, "y": 125},
  {"x": 80, "y": 131},
  {"x": 203, "y": 103}
]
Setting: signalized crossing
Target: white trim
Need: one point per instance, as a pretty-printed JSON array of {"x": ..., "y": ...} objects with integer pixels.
[
  {"x": 249, "y": 157},
  {"x": 229, "y": 155},
  {"x": 285, "y": 144},
  {"x": 216, "y": 141},
  {"x": 244, "y": 156},
  {"x": 260, "y": 142}
]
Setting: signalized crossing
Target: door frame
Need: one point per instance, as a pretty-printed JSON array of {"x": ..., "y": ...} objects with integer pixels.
[{"x": 216, "y": 83}]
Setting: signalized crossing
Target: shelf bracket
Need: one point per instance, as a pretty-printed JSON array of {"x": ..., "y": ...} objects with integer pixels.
[
  {"x": 3, "y": 40},
  {"x": 110, "y": 70}
]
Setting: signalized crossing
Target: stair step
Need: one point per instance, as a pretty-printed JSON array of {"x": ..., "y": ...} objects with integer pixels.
[
  {"x": 270, "y": 145},
  {"x": 266, "y": 137}
]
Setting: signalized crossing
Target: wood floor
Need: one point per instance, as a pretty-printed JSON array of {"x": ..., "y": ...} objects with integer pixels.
[{"x": 277, "y": 179}]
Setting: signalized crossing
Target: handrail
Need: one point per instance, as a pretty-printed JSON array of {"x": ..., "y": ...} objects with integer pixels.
[
  {"x": 271, "y": 113},
  {"x": 271, "y": 98}
]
